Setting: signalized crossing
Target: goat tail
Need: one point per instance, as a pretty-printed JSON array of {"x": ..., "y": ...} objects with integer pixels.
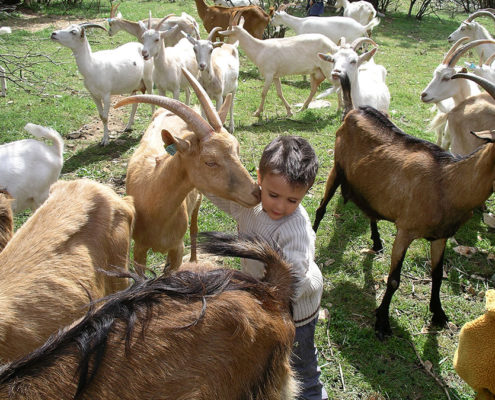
[
  {"x": 278, "y": 271},
  {"x": 47, "y": 133},
  {"x": 374, "y": 22}
]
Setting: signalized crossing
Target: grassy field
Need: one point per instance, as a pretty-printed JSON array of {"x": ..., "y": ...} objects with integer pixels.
[{"x": 416, "y": 363}]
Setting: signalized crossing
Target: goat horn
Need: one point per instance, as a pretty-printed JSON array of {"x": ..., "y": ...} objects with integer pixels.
[
  {"x": 190, "y": 116},
  {"x": 212, "y": 33},
  {"x": 455, "y": 57},
  {"x": 283, "y": 7},
  {"x": 204, "y": 99},
  {"x": 113, "y": 9},
  {"x": 480, "y": 13},
  {"x": 490, "y": 59},
  {"x": 90, "y": 25},
  {"x": 454, "y": 48},
  {"x": 149, "y": 21},
  {"x": 237, "y": 17},
  {"x": 484, "y": 83},
  {"x": 359, "y": 41},
  {"x": 157, "y": 27}
]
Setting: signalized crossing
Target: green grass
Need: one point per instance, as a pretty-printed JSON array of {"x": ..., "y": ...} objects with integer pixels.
[{"x": 354, "y": 280}]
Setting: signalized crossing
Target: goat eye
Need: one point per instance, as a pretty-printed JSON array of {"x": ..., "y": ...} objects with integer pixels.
[
  {"x": 353, "y": 61},
  {"x": 211, "y": 164},
  {"x": 73, "y": 31}
]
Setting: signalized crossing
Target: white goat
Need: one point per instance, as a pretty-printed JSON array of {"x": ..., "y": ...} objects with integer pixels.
[
  {"x": 332, "y": 27},
  {"x": 30, "y": 166},
  {"x": 484, "y": 69},
  {"x": 475, "y": 31},
  {"x": 107, "y": 72},
  {"x": 167, "y": 74},
  {"x": 219, "y": 69},
  {"x": 286, "y": 56},
  {"x": 368, "y": 88},
  {"x": 184, "y": 23},
  {"x": 441, "y": 88},
  {"x": 236, "y": 3},
  {"x": 362, "y": 11}
]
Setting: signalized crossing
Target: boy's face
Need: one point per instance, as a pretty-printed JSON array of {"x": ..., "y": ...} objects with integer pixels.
[{"x": 278, "y": 197}]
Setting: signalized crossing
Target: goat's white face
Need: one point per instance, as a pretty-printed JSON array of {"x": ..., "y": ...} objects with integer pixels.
[
  {"x": 345, "y": 61},
  {"x": 441, "y": 86},
  {"x": 71, "y": 36},
  {"x": 203, "y": 50},
  {"x": 465, "y": 29},
  {"x": 151, "y": 43},
  {"x": 277, "y": 18},
  {"x": 113, "y": 26}
]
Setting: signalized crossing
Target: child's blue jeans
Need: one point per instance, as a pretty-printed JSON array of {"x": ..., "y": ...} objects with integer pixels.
[{"x": 305, "y": 363}]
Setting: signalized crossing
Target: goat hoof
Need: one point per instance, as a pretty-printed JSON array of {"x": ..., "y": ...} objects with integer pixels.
[
  {"x": 440, "y": 319},
  {"x": 382, "y": 328},
  {"x": 257, "y": 114}
]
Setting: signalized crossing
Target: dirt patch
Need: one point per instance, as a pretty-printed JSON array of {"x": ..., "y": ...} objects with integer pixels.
[{"x": 34, "y": 22}]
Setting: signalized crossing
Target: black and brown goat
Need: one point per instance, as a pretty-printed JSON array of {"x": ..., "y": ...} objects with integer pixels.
[
  {"x": 211, "y": 334},
  {"x": 425, "y": 191},
  {"x": 212, "y": 16},
  {"x": 6, "y": 218}
]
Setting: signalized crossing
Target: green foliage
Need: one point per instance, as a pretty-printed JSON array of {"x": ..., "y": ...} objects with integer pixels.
[{"x": 355, "y": 365}]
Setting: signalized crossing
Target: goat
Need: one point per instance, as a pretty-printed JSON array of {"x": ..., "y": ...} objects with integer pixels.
[
  {"x": 168, "y": 61},
  {"x": 368, "y": 86},
  {"x": 441, "y": 88},
  {"x": 484, "y": 69},
  {"x": 361, "y": 11},
  {"x": 212, "y": 334},
  {"x": 425, "y": 191},
  {"x": 286, "y": 56},
  {"x": 212, "y": 16},
  {"x": 30, "y": 166},
  {"x": 475, "y": 31},
  {"x": 219, "y": 69},
  {"x": 236, "y": 3},
  {"x": 107, "y": 72},
  {"x": 6, "y": 218},
  {"x": 474, "y": 113},
  {"x": 184, "y": 23},
  {"x": 207, "y": 158},
  {"x": 331, "y": 27},
  {"x": 56, "y": 260}
]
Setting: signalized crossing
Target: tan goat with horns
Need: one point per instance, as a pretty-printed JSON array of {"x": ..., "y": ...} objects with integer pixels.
[{"x": 162, "y": 185}]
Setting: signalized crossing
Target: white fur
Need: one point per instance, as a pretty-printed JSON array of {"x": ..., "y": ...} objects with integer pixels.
[
  {"x": 30, "y": 166},
  {"x": 361, "y": 11}
]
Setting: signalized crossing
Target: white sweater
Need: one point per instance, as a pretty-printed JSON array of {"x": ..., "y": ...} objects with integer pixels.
[{"x": 296, "y": 238}]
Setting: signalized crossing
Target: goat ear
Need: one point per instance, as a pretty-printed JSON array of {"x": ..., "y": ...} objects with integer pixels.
[
  {"x": 83, "y": 33},
  {"x": 180, "y": 145},
  {"x": 142, "y": 26},
  {"x": 490, "y": 301},
  {"x": 488, "y": 136},
  {"x": 325, "y": 57},
  {"x": 224, "y": 110}
]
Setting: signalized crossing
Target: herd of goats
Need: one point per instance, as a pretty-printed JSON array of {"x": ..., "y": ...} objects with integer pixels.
[{"x": 197, "y": 331}]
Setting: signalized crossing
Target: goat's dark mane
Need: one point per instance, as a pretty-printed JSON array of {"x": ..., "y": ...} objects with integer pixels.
[
  {"x": 130, "y": 305},
  {"x": 411, "y": 141}
]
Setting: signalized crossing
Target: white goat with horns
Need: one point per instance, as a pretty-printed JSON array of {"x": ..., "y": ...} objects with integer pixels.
[
  {"x": 107, "y": 72},
  {"x": 361, "y": 11},
  {"x": 218, "y": 64}
]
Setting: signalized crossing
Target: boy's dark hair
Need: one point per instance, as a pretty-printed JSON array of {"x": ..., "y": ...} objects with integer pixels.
[{"x": 290, "y": 156}]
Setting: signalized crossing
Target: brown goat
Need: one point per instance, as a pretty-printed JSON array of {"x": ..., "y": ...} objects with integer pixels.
[
  {"x": 425, "y": 191},
  {"x": 215, "y": 334},
  {"x": 212, "y": 16},
  {"x": 54, "y": 262},
  {"x": 162, "y": 185},
  {"x": 6, "y": 218}
]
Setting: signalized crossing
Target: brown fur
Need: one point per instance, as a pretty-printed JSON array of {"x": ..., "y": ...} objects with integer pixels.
[
  {"x": 51, "y": 265},
  {"x": 6, "y": 218},
  {"x": 256, "y": 18},
  {"x": 425, "y": 191},
  {"x": 163, "y": 185},
  {"x": 238, "y": 349}
]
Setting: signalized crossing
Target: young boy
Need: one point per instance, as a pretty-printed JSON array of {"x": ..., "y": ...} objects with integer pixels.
[{"x": 286, "y": 171}]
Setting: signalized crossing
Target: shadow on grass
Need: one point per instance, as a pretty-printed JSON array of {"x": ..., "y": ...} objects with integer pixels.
[
  {"x": 389, "y": 367},
  {"x": 95, "y": 153}
]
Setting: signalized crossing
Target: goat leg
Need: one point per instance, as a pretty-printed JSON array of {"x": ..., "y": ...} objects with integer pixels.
[
  {"x": 401, "y": 244},
  {"x": 332, "y": 184},
  {"x": 278, "y": 86},
  {"x": 437, "y": 253},
  {"x": 375, "y": 236}
]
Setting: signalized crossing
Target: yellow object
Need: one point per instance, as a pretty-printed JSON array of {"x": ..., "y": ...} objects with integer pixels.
[{"x": 474, "y": 359}]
